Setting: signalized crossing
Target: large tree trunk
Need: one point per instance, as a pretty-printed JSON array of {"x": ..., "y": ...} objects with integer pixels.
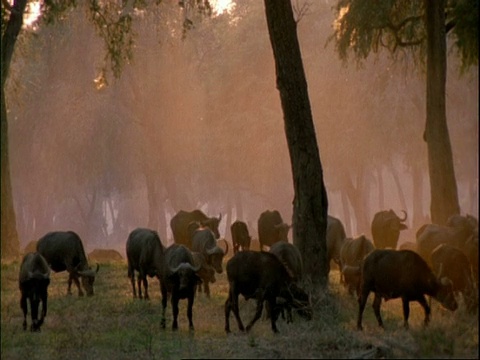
[
  {"x": 9, "y": 236},
  {"x": 310, "y": 204},
  {"x": 443, "y": 186}
]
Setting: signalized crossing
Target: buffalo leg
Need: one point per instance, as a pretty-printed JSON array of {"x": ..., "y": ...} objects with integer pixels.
[
  {"x": 24, "y": 306},
  {"x": 228, "y": 307},
  {"x": 362, "y": 301},
  {"x": 406, "y": 312},
  {"x": 273, "y": 314},
  {"x": 426, "y": 308},
  {"x": 377, "y": 301},
  {"x": 207, "y": 288},
  {"x": 175, "y": 312},
  {"x": 164, "y": 304},
  {"x": 190, "y": 311},
  {"x": 74, "y": 278},
  {"x": 258, "y": 313},
  {"x": 131, "y": 275},
  {"x": 34, "y": 303}
]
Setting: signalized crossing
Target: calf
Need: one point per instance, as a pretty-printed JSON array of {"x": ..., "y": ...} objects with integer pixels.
[
  {"x": 393, "y": 274},
  {"x": 145, "y": 254},
  {"x": 34, "y": 278},
  {"x": 180, "y": 282},
  {"x": 260, "y": 275}
]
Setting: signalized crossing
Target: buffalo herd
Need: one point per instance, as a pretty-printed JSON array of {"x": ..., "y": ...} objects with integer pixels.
[{"x": 441, "y": 263}]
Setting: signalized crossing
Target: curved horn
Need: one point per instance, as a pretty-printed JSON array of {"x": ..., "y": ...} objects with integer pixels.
[
  {"x": 226, "y": 245},
  {"x": 219, "y": 217},
  {"x": 175, "y": 269},
  {"x": 195, "y": 268},
  {"x": 214, "y": 250},
  {"x": 405, "y": 216}
]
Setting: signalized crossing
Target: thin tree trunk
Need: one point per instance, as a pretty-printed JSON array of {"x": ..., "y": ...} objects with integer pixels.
[
  {"x": 310, "y": 204},
  {"x": 443, "y": 186},
  {"x": 9, "y": 236}
]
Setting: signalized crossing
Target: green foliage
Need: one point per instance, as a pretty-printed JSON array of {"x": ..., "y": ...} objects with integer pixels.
[
  {"x": 464, "y": 15},
  {"x": 363, "y": 26}
]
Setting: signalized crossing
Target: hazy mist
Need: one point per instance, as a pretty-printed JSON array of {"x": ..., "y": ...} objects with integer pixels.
[{"x": 197, "y": 123}]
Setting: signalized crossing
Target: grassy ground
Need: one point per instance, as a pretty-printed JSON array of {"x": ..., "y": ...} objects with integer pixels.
[{"x": 112, "y": 325}]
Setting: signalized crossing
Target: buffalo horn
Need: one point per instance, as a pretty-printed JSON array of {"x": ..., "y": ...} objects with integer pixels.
[
  {"x": 214, "y": 250},
  {"x": 405, "y": 217}
]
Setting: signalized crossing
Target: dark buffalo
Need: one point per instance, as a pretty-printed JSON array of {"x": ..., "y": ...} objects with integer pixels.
[
  {"x": 64, "y": 250},
  {"x": 203, "y": 241},
  {"x": 451, "y": 262},
  {"x": 180, "y": 282},
  {"x": 392, "y": 274},
  {"x": 386, "y": 227},
  {"x": 105, "y": 255},
  {"x": 184, "y": 223},
  {"x": 458, "y": 231},
  {"x": 240, "y": 237},
  {"x": 145, "y": 254},
  {"x": 261, "y": 275},
  {"x": 271, "y": 228},
  {"x": 335, "y": 238},
  {"x": 352, "y": 254},
  {"x": 290, "y": 257},
  {"x": 206, "y": 272},
  {"x": 33, "y": 279}
]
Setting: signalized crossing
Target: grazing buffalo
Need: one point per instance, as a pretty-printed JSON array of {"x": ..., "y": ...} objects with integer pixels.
[
  {"x": 352, "y": 254},
  {"x": 451, "y": 262},
  {"x": 105, "y": 255},
  {"x": 386, "y": 227},
  {"x": 180, "y": 282},
  {"x": 271, "y": 228},
  {"x": 458, "y": 231},
  {"x": 335, "y": 238},
  {"x": 33, "y": 279},
  {"x": 203, "y": 241},
  {"x": 145, "y": 254},
  {"x": 261, "y": 275},
  {"x": 206, "y": 272},
  {"x": 290, "y": 256},
  {"x": 240, "y": 237},
  {"x": 184, "y": 223},
  {"x": 392, "y": 274},
  {"x": 64, "y": 250}
]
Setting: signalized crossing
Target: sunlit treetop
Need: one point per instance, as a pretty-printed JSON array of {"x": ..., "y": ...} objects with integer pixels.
[
  {"x": 362, "y": 26},
  {"x": 112, "y": 20}
]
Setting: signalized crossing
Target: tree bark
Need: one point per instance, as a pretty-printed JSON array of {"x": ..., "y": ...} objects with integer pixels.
[
  {"x": 310, "y": 203},
  {"x": 9, "y": 236},
  {"x": 443, "y": 186}
]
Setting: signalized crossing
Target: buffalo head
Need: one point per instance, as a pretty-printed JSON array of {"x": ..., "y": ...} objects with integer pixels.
[{"x": 88, "y": 278}]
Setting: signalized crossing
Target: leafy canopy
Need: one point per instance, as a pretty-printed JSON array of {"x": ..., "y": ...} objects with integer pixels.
[{"x": 362, "y": 26}]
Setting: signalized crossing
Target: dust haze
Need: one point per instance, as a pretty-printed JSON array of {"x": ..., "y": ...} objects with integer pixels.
[{"x": 197, "y": 123}]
